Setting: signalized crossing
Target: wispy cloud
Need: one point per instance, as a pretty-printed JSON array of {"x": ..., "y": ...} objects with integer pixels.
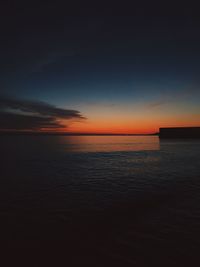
[
  {"x": 18, "y": 114},
  {"x": 174, "y": 97},
  {"x": 157, "y": 103}
]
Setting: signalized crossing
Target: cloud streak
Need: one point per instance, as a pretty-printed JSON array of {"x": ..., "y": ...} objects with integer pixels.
[
  {"x": 18, "y": 114},
  {"x": 157, "y": 104},
  {"x": 179, "y": 96}
]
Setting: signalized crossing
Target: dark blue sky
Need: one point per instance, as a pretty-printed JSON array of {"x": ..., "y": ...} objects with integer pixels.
[{"x": 87, "y": 58}]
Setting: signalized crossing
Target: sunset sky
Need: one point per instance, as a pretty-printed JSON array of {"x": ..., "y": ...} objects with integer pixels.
[{"x": 99, "y": 69}]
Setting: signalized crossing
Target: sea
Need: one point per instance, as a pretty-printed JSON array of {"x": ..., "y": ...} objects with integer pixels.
[{"x": 99, "y": 201}]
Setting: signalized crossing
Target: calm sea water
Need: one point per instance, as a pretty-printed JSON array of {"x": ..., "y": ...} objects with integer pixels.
[{"x": 100, "y": 200}]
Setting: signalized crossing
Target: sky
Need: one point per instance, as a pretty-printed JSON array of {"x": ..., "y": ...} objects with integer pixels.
[{"x": 98, "y": 68}]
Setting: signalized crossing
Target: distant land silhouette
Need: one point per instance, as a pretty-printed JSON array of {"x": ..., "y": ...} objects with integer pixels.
[
  {"x": 164, "y": 133},
  {"x": 180, "y": 132},
  {"x": 69, "y": 134}
]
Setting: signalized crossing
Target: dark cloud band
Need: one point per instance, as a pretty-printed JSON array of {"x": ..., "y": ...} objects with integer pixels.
[{"x": 32, "y": 115}]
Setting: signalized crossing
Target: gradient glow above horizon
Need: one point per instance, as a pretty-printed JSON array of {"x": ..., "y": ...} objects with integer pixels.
[{"x": 124, "y": 74}]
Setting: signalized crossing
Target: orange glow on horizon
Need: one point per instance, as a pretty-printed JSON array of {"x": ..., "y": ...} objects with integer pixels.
[
  {"x": 138, "y": 124},
  {"x": 141, "y": 125}
]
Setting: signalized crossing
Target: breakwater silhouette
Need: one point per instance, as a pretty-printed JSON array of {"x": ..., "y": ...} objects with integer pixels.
[{"x": 180, "y": 132}]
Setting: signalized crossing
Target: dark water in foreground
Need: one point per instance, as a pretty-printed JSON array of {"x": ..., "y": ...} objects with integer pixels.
[{"x": 100, "y": 201}]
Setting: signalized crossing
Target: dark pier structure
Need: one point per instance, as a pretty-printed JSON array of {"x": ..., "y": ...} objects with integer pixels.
[{"x": 180, "y": 132}]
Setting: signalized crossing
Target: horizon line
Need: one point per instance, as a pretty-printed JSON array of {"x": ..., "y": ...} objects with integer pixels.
[{"x": 73, "y": 133}]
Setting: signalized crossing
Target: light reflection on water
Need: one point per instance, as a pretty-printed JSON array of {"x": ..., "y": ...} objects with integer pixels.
[
  {"x": 109, "y": 143},
  {"x": 136, "y": 197}
]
